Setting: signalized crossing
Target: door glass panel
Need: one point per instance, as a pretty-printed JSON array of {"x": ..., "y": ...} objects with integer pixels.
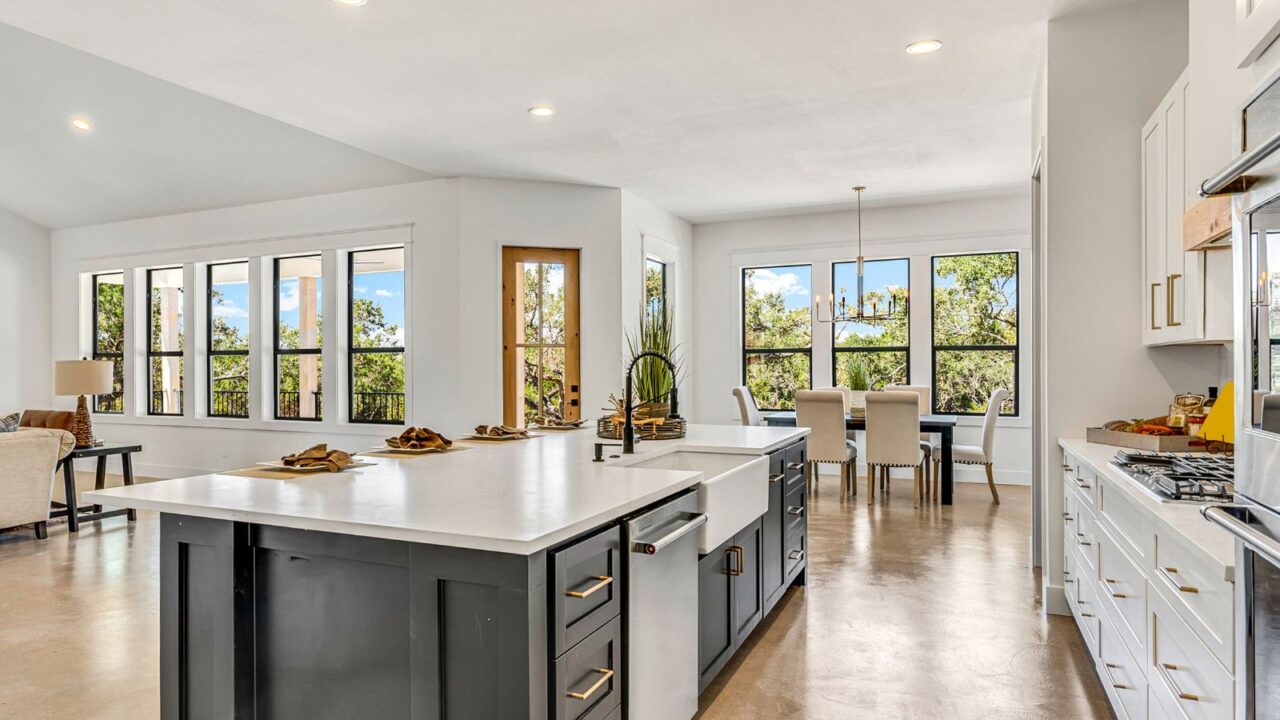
[
  {"x": 1264, "y": 320},
  {"x": 540, "y": 336}
]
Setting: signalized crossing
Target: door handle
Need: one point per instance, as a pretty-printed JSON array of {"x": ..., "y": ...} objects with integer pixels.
[
  {"x": 1153, "y": 306},
  {"x": 605, "y": 675},
  {"x": 1169, "y": 301}
]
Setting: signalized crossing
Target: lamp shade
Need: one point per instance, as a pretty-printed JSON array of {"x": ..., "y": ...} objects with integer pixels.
[{"x": 82, "y": 377}]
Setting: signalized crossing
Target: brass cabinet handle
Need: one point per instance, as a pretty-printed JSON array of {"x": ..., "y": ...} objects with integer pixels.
[
  {"x": 1080, "y": 541},
  {"x": 1164, "y": 668},
  {"x": 1153, "y": 306},
  {"x": 605, "y": 675},
  {"x": 1168, "y": 573},
  {"x": 1067, "y": 517},
  {"x": 795, "y": 466},
  {"x": 1109, "y": 667},
  {"x": 603, "y": 580},
  {"x": 796, "y": 555},
  {"x": 1169, "y": 301},
  {"x": 1085, "y": 614},
  {"x": 795, "y": 510},
  {"x": 735, "y": 569},
  {"x": 1082, "y": 484},
  {"x": 775, "y": 478}
]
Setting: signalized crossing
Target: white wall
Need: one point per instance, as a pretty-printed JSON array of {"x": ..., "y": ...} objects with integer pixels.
[
  {"x": 457, "y": 228},
  {"x": 25, "y": 364},
  {"x": 721, "y": 250},
  {"x": 1106, "y": 71}
]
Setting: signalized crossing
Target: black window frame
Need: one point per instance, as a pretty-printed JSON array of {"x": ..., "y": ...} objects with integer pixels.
[
  {"x": 352, "y": 350},
  {"x": 277, "y": 351},
  {"x": 152, "y": 353},
  {"x": 1015, "y": 348},
  {"x": 96, "y": 354},
  {"x": 835, "y": 351},
  {"x": 742, "y": 330},
  {"x": 209, "y": 378}
]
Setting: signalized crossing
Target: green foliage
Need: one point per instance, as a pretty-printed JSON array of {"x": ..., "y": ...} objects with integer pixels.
[
  {"x": 767, "y": 324},
  {"x": 655, "y": 298},
  {"x": 544, "y": 324},
  {"x": 975, "y": 302},
  {"x": 854, "y": 374},
  {"x": 653, "y": 381}
]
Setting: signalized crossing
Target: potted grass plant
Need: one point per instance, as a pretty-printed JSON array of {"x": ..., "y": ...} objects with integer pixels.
[
  {"x": 653, "y": 381},
  {"x": 859, "y": 382}
]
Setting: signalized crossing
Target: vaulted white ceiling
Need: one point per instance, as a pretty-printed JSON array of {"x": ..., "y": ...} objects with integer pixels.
[{"x": 712, "y": 109}]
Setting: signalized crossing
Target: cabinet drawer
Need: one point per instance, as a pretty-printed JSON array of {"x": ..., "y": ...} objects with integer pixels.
[
  {"x": 1085, "y": 483},
  {"x": 589, "y": 677},
  {"x": 1184, "y": 670},
  {"x": 1124, "y": 589},
  {"x": 1085, "y": 540},
  {"x": 796, "y": 549},
  {"x": 1089, "y": 615},
  {"x": 777, "y": 463},
  {"x": 1121, "y": 675},
  {"x": 587, "y": 588},
  {"x": 795, "y": 509},
  {"x": 1130, "y": 523},
  {"x": 1196, "y": 592},
  {"x": 1155, "y": 703},
  {"x": 796, "y": 457}
]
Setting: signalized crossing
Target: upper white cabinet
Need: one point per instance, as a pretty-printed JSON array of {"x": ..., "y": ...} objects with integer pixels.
[
  {"x": 1181, "y": 302},
  {"x": 1257, "y": 26}
]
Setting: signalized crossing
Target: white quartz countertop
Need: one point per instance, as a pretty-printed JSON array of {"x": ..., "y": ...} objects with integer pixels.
[
  {"x": 1181, "y": 517},
  {"x": 518, "y": 497}
]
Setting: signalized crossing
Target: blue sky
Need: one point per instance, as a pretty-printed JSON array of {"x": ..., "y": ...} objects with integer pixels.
[
  {"x": 234, "y": 305},
  {"x": 877, "y": 276},
  {"x": 385, "y": 289}
]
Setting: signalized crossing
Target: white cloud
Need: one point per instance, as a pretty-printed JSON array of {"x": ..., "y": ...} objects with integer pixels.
[
  {"x": 383, "y": 293},
  {"x": 362, "y": 290},
  {"x": 767, "y": 281},
  {"x": 399, "y": 336},
  {"x": 229, "y": 310},
  {"x": 289, "y": 299}
]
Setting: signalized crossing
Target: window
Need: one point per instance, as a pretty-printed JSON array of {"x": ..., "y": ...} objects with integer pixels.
[
  {"x": 870, "y": 355},
  {"x": 108, "y": 337},
  {"x": 229, "y": 339},
  {"x": 164, "y": 344},
  {"x": 376, "y": 294},
  {"x": 777, "y": 333},
  {"x": 975, "y": 332},
  {"x": 655, "y": 287},
  {"x": 298, "y": 323}
]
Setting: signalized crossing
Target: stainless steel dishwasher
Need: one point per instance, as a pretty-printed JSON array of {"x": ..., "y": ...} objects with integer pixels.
[{"x": 662, "y": 611}]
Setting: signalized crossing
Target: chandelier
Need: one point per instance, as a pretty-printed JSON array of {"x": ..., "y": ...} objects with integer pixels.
[{"x": 859, "y": 312}]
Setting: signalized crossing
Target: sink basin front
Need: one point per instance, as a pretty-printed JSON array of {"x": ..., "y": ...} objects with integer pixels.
[{"x": 733, "y": 493}]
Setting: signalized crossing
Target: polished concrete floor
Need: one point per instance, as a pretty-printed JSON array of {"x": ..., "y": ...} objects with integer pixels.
[{"x": 908, "y": 614}]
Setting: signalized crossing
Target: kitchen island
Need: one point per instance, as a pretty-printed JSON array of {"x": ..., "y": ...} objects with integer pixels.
[{"x": 486, "y": 582}]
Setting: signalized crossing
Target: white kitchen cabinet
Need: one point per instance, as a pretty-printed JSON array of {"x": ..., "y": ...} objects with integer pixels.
[
  {"x": 1257, "y": 26},
  {"x": 1182, "y": 296}
]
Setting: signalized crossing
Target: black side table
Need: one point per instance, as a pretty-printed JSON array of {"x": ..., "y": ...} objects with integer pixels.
[{"x": 70, "y": 511}]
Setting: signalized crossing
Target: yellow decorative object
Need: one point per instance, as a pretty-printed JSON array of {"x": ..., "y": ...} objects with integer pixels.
[{"x": 1221, "y": 424}]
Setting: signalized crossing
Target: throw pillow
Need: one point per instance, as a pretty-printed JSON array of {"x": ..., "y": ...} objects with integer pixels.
[{"x": 9, "y": 423}]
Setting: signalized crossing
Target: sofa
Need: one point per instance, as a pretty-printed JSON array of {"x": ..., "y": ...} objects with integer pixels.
[{"x": 28, "y": 458}]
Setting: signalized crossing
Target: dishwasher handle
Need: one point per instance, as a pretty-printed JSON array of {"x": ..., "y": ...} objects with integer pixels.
[{"x": 691, "y": 522}]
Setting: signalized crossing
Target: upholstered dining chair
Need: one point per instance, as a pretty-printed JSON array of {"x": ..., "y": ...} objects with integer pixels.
[
  {"x": 893, "y": 439},
  {"x": 747, "y": 406},
  {"x": 973, "y": 454},
  {"x": 823, "y": 412},
  {"x": 926, "y": 439}
]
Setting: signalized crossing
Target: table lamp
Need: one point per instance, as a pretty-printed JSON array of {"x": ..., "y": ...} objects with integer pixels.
[{"x": 82, "y": 377}]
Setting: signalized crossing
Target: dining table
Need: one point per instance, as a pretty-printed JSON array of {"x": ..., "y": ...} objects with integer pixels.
[{"x": 943, "y": 425}]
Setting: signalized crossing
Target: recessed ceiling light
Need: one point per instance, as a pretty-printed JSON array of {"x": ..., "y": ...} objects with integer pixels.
[
  {"x": 922, "y": 47},
  {"x": 82, "y": 124},
  {"x": 351, "y": 3},
  {"x": 542, "y": 110}
]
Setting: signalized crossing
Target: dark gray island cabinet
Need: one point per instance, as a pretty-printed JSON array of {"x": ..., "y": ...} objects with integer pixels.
[
  {"x": 740, "y": 582},
  {"x": 259, "y": 621}
]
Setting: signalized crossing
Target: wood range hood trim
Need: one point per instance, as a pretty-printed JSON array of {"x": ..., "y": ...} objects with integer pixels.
[{"x": 1207, "y": 225}]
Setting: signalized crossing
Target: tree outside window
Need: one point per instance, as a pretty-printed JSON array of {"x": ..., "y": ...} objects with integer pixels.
[
  {"x": 229, "y": 340},
  {"x": 377, "y": 335},
  {"x": 975, "y": 332},
  {"x": 655, "y": 286},
  {"x": 868, "y": 356},
  {"x": 165, "y": 333},
  {"x": 108, "y": 337},
  {"x": 299, "y": 328},
  {"x": 777, "y": 333}
]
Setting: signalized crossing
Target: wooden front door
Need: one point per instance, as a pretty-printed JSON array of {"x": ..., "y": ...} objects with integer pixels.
[{"x": 540, "y": 343}]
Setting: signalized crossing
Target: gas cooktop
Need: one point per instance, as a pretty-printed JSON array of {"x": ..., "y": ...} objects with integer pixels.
[{"x": 1172, "y": 477}]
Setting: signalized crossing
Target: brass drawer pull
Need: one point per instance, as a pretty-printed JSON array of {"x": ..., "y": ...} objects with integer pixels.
[
  {"x": 1082, "y": 484},
  {"x": 1153, "y": 306},
  {"x": 1169, "y": 301},
  {"x": 1163, "y": 669},
  {"x": 1168, "y": 573},
  {"x": 796, "y": 555},
  {"x": 1085, "y": 614},
  {"x": 795, "y": 510},
  {"x": 1112, "y": 666},
  {"x": 736, "y": 568},
  {"x": 605, "y": 676},
  {"x": 1080, "y": 541},
  {"x": 603, "y": 580},
  {"x": 775, "y": 478},
  {"x": 795, "y": 466}
]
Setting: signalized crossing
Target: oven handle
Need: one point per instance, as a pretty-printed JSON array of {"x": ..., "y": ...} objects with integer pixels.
[
  {"x": 1226, "y": 516},
  {"x": 1230, "y": 179}
]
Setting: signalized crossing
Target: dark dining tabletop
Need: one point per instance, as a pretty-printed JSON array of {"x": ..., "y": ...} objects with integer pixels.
[{"x": 943, "y": 425}]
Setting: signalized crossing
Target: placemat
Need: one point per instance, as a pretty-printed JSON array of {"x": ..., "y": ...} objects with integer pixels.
[
  {"x": 409, "y": 456},
  {"x": 267, "y": 474}
]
